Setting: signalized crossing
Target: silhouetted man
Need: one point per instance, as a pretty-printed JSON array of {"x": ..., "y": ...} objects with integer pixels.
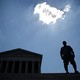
[{"x": 67, "y": 55}]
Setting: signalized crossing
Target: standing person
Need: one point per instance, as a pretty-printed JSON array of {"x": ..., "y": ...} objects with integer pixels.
[{"x": 67, "y": 55}]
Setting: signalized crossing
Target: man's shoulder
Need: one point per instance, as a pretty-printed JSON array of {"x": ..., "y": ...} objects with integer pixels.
[
  {"x": 62, "y": 47},
  {"x": 69, "y": 46},
  {"x": 66, "y": 47}
]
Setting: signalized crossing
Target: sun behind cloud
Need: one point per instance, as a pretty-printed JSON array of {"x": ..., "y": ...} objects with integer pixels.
[{"x": 48, "y": 14}]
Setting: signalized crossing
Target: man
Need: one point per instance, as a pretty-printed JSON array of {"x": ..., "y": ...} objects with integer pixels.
[{"x": 67, "y": 55}]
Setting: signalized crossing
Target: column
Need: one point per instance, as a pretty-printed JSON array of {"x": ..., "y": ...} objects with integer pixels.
[
  {"x": 33, "y": 67},
  {"x": 39, "y": 67},
  {"x": 20, "y": 66},
  {"x": 1, "y": 62},
  {"x": 12, "y": 71},
  {"x": 3, "y": 66},
  {"x": 26, "y": 69},
  {"x": 6, "y": 67}
]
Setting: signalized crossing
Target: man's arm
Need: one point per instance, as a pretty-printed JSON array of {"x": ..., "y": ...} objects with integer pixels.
[
  {"x": 61, "y": 54},
  {"x": 72, "y": 52}
]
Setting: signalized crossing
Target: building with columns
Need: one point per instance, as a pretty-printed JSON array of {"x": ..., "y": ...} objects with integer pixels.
[
  {"x": 20, "y": 61},
  {"x": 20, "y": 64}
]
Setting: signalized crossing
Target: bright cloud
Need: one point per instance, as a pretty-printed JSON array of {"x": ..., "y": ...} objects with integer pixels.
[{"x": 48, "y": 14}]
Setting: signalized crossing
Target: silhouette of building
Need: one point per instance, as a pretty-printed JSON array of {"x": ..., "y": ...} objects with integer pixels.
[
  {"x": 19, "y": 64},
  {"x": 20, "y": 61}
]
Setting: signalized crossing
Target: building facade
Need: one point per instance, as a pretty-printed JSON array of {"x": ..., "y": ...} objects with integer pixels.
[{"x": 20, "y": 61}]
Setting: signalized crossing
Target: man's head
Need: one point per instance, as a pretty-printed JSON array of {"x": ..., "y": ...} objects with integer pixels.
[{"x": 64, "y": 43}]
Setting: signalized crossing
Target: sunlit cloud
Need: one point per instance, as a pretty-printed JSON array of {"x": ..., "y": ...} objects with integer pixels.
[
  {"x": 48, "y": 14},
  {"x": 67, "y": 8}
]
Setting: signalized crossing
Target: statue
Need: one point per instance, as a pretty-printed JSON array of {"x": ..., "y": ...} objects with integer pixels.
[{"x": 67, "y": 55}]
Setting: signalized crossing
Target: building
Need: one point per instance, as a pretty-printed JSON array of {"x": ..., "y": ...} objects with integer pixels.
[
  {"x": 20, "y": 64},
  {"x": 20, "y": 61}
]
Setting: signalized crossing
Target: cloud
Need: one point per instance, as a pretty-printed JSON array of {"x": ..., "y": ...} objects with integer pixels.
[{"x": 48, "y": 14}]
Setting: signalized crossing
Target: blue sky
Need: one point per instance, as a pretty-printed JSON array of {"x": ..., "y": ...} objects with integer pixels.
[{"x": 20, "y": 28}]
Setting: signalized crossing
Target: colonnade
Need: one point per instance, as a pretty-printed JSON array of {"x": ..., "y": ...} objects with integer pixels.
[{"x": 19, "y": 67}]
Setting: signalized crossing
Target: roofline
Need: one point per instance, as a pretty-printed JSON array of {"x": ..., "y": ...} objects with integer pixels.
[{"x": 21, "y": 49}]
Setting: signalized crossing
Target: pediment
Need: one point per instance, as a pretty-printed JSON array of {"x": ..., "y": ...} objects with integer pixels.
[{"x": 20, "y": 53}]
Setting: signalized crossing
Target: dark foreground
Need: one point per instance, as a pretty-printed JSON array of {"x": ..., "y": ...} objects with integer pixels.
[{"x": 42, "y": 76}]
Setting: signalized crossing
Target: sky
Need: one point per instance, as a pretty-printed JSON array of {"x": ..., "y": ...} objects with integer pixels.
[{"x": 21, "y": 28}]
